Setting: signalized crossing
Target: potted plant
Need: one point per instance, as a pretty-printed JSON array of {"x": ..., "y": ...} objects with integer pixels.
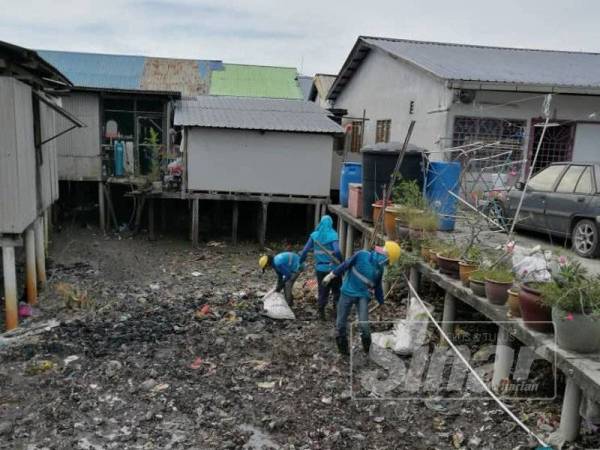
[
  {"x": 514, "y": 309},
  {"x": 422, "y": 226},
  {"x": 575, "y": 303},
  {"x": 408, "y": 201},
  {"x": 469, "y": 263},
  {"x": 377, "y": 207},
  {"x": 448, "y": 259},
  {"x": 497, "y": 284},
  {"x": 477, "y": 282},
  {"x": 389, "y": 221}
]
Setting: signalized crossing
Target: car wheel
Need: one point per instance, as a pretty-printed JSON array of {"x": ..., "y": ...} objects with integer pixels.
[
  {"x": 495, "y": 211},
  {"x": 585, "y": 238}
]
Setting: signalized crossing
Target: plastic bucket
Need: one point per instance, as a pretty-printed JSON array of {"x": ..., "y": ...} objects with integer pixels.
[
  {"x": 442, "y": 178},
  {"x": 351, "y": 173}
]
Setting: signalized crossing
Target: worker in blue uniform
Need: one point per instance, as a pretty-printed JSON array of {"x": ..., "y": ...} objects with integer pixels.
[
  {"x": 324, "y": 243},
  {"x": 287, "y": 266},
  {"x": 364, "y": 273}
]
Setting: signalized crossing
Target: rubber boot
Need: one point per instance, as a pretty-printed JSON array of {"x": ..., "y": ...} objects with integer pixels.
[
  {"x": 366, "y": 343},
  {"x": 321, "y": 313},
  {"x": 342, "y": 345}
]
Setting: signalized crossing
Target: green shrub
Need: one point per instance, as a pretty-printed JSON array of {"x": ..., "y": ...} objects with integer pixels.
[
  {"x": 500, "y": 275},
  {"x": 427, "y": 221},
  {"x": 478, "y": 275},
  {"x": 407, "y": 193}
]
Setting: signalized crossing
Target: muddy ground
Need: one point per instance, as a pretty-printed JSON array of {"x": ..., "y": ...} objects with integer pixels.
[{"x": 136, "y": 360}]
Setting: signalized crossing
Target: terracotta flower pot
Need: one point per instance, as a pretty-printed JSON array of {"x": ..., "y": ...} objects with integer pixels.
[
  {"x": 449, "y": 266},
  {"x": 513, "y": 303},
  {"x": 477, "y": 286},
  {"x": 576, "y": 332},
  {"x": 465, "y": 270},
  {"x": 377, "y": 207},
  {"x": 536, "y": 315},
  {"x": 389, "y": 223},
  {"x": 497, "y": 291}
]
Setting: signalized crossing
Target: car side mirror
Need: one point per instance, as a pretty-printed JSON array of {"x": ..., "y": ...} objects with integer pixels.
[{"x": 519, "y": 185}]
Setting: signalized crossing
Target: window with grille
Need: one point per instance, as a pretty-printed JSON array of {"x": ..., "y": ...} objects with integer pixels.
[
  {"x": 382, "y": 133},
  {"x": 498, "y": 140},
  {"x": 356, "y": 136},
  {"x": 557, "y": 145}
]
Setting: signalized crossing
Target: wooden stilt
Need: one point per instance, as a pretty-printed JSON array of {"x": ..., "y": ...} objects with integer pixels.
[
  {"x": 323, "y": 209},
  {"x": 10, "y": 287},
  {"x": 342, "y": 235},
  {"x": 30, "y": 270},
  {"x": 163, "y": 215},
  {"x": 195, "y": 221},
  {"x": 350, "y": 241},
  {"x": 101, "y": 207},
  {"x": 414, "y": 278},
  {"x": 40, "y": 252},
  {"x": 263, "y": 224},
  {"x": 309, "y": 217},
  {"x": 141, "y": 199},
  {"x": 46, "y": 217},
  {"x": 151, "y": 231},
  {"x": 234, "y": 222},
  {"x": 317, "y": 214},
  {"x": 365, "y": 243}
]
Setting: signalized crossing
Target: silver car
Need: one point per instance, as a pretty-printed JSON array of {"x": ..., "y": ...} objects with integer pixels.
[{"x": 561, "y": 200}]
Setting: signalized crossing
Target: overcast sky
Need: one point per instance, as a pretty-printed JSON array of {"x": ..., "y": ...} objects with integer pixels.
[{"x": 314, "y": 36}]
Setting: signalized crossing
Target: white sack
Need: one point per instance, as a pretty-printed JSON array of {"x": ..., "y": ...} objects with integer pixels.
[{"x": 276, "y": 307}]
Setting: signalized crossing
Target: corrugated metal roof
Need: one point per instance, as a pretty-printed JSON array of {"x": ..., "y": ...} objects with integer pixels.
[
  {"x": 305, "y": 83},
  {"x": 125, "y": 72},
  {"x": 254, "y": 114},
  {"x": 503, "y": 65},
  {"x": 256, "y": 81}
]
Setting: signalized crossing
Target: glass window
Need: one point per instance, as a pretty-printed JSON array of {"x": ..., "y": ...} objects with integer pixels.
[
  {"x": 585, "y": 185},
  {"x": 544, "y": 180},
  {"x": 570, "y": 179}
]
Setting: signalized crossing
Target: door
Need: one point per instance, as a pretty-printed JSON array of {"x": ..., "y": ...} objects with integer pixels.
[
  {"x": 534, "y": 202},
  {"x": 569, "y": 199}
]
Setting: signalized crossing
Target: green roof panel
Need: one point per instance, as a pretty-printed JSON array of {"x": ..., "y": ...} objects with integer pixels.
[{"x": 241, "y": 80}]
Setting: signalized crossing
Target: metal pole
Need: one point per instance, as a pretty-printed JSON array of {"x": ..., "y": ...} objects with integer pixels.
[
  {"x": 30, "y": 270},
  {"x": 537, "y": 151},
  {"x": 101, "y": 207},
  {"x": 10, "y": 287}
]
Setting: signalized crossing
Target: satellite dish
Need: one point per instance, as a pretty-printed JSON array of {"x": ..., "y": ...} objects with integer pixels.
[{"x": 466, "y": 96}]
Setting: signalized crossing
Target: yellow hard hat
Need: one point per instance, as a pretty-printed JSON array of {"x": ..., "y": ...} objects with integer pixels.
[
  {"x": 263, "y": 261},
  {"x": 393, "y": 251}
]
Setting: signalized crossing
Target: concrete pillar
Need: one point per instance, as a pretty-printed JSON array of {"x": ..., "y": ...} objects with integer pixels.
[
  {"x": 101, "y": 207},
  {"x": 569, "y": 416},
  {"x": 504, "y": 358},
  {"x": 365, "y": 239},
  {"x": 449, "y": 314},
  {"x": 30, "y": 270},
  {"x": 415, "y": 278},
  {"x": 10, "y": 287},
  {"x": 40, "y": 251},
  {"x": 349, "y": 241},
  {"x": 195, "y": 221},
  {"x": 46, "y": 229},
  {"x": 342, "y": 236},
  {"x": 234, "y": 222}
]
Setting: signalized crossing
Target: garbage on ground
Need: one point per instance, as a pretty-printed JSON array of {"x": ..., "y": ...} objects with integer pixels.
[
  {"x": 276, "y": 307},
  {"x": 407, "y": 334}
]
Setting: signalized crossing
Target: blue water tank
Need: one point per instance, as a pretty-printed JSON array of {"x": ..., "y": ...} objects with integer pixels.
[
  {"x": 119, "y": 147},
  {"x": 351, "y": 173},
  {"x": 442, "y": 178}
]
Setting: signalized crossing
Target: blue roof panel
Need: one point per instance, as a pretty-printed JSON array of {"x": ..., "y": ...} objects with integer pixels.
[{"x": 97, "y": 70}]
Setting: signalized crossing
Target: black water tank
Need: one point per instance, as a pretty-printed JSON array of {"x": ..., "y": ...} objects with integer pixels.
[{"x": 379, "y": 161}]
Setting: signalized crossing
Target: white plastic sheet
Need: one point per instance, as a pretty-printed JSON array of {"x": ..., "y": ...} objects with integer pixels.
[
  {"x": 533, "y": 264},
  {"x": 408, "y": 334},
  {"x": 276, "y": 307}
]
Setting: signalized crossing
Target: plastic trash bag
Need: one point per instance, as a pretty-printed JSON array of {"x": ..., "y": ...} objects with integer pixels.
[
  {"x": 532, "y": 264},
  {"x": 276, "y": 307},
  {"x": 408, "y": 334}
]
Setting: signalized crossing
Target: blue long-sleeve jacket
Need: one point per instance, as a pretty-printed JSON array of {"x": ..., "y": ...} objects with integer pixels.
[
  {"x": 286, "y": 264},
  {"x": 323, "y": 262},
  {"x": 364, "y": 273}
]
